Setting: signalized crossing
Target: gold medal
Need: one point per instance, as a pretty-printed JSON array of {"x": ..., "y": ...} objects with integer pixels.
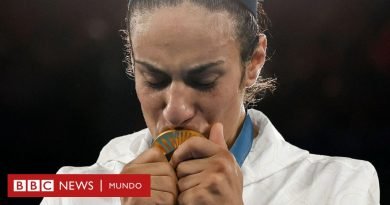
[{"x": 169, "y": 140}]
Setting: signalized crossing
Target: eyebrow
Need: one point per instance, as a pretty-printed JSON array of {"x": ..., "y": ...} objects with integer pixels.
[
  {"x": 199, "y": 69},
  {"x": 151, "y": 68},
  {"x": 195, "y": 70}
]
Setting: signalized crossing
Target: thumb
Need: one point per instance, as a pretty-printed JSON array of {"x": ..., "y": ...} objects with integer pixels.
[{"x": 216, "y": 135}]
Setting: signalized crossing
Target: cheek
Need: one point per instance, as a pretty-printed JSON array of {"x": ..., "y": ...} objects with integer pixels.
[
  {"x": 146, "y": 96},
  {"x": 222, "y": 103},
  {"x": 151, "y": 102}
]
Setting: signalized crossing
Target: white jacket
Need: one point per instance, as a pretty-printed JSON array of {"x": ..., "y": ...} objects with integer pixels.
[{"x": 275, "y": 172}]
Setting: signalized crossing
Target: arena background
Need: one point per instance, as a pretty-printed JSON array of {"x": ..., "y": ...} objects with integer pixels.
[{"x": 64, "y": 93}]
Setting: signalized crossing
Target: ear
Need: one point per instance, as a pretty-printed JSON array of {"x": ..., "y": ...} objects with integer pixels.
[{"x": 255, "y": 65}]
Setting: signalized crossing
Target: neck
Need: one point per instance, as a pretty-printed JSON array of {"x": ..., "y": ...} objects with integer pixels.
[{"x": 240, "y": 122}]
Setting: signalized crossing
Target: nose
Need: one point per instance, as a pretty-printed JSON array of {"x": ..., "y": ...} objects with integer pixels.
[{"x": 179, "y": 108}]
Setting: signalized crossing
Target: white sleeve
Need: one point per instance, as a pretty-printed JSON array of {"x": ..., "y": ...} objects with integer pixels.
[{"x": 368, "y": 192}]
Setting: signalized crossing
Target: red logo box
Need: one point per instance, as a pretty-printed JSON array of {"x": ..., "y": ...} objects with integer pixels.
[{"x": 78, "y": 185}]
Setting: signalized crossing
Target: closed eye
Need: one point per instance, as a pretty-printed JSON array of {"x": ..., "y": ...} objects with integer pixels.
[
  {"x": 204, "y": 77},
  {"x": 153, "y": 77},
  {"x": 156, "y": 82},
  {"x": 201, "y": 77},
  {"x": 203, "y": 84}
]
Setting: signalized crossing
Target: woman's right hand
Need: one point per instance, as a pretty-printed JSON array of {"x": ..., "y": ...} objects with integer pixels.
[{"x": 163, "y": 178}]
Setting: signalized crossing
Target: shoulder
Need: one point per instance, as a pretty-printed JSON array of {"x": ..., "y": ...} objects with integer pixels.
[
  {"x": 114, "y": 155},
  {"x": 274, "y": 164},
  {"x": 340, "y": 163},
  {"x": 347, "y": 180},
  {"x": 350, "y": 171}
]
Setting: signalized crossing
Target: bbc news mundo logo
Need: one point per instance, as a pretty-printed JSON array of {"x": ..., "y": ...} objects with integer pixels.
[{"x": 78, "y": 185}]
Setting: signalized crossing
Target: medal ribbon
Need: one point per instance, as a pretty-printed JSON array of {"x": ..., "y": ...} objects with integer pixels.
[{"x": 243, "y": 143}]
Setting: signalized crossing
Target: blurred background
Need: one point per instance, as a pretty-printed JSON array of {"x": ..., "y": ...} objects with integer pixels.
[{"x": 64, "y": 93}]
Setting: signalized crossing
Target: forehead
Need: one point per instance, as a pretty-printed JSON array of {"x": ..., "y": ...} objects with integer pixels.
[
  {"x": 186, "y": 14},
  {"x": 183, "y": 31}
]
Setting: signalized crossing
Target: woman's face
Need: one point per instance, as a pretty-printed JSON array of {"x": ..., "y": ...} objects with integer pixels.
[{"x": 188, "y": 70}]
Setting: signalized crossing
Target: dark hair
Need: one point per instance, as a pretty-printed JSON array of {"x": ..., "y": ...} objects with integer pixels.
[{"x": 248, "y": 29}]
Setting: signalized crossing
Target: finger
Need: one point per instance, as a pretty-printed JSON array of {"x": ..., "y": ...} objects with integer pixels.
[
  {"x": 189, "y": 167},
  {"x": 164, "y": 184},
  {"x": 156, "y": 197},
  {"x": 216, "y": 135},
  {"x": 151, "y": 155},
  {"x": 194, "y": 148},
  {"x": 196, "y": 194},
  {"x": 190, "y": 181},
  {"x": 154, "y": 169},
  {"x": 161, "y": 197}
]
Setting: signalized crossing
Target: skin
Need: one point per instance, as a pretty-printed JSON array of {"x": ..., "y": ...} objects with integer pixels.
[{"x": 188, "y": 75}]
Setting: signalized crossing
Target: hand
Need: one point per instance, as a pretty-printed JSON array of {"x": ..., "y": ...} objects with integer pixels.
[
  {"x": 207, "y": 172},
  {"x": 163, "y": 178}
]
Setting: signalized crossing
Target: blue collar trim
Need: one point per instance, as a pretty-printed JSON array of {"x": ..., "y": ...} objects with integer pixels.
[{"x": 243, "y": 143}]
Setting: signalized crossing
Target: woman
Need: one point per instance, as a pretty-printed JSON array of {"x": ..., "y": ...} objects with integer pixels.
[{"x": 196, "y": 65}]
